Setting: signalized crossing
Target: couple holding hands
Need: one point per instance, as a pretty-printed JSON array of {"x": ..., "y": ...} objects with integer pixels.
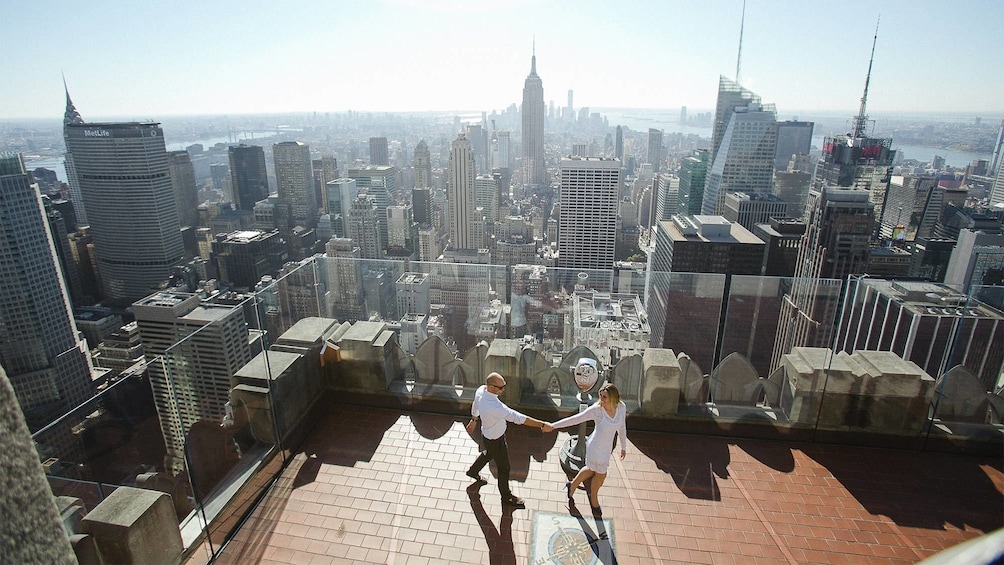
[{"x": 608, "y": 413}]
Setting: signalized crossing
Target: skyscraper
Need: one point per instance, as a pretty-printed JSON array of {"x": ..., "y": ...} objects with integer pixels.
[
  {"x": 380, "y": 182},
  {"x": 248, "y": 177},
  {"x": 998, "y": 158},
  {"x": 655, "y": 148},
  {"x": 619, "y": 144},
  {"x": 730, "y": 97},
  {"x": 534, "y": 172},
  {"x": 193, "y": 384},
  {"x": 364, "y": 227},
  {"x": 45, "y": 358},
  {"x": 378, "y": 151},
  {"x": 857, "y": 159},
  {"x": 693, "y": 175},
  {"x": 745, "y": 158},
  {"x": 587, "y": 219},
  {"x": 793, "y": 138},
  {"x": 423, "y": 165},
  {"x": 294, "y": 179},
  {"x": 186, "y": 193},
  {"x": 125, "y": 183},
  {"x": 461, "y": 172}
]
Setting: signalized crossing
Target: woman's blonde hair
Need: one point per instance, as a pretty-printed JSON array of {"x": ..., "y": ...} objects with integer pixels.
[{"x": 612, "y": 393}]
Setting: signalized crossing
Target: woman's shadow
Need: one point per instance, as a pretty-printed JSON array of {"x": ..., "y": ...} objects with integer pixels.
[
  {"x": 500, "y": 547},
  {"x": 598, "y": 539}
]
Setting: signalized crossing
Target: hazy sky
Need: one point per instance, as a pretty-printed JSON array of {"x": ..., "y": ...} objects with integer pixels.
[{"x": 147, "y": 60}]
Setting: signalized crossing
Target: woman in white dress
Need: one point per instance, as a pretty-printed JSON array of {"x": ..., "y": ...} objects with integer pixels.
[{"x": 609, "y": 414}]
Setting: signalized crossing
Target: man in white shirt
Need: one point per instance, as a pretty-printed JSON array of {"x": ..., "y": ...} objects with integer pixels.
[{"x": 494, "y": 415}]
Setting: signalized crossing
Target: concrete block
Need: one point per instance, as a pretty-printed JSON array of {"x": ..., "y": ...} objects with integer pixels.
[{"x": 135, "y": 526}]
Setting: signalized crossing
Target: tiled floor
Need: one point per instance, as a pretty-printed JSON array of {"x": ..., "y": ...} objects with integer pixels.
[{"x": 383, "y": 486}]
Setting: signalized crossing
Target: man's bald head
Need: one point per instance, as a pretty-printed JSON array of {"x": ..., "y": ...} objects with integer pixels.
[{"x": 495, "y": 379}]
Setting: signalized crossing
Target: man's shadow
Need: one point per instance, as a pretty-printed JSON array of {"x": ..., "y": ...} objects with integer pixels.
[
  {"x": 500, "y": 547},
  {"x": 598, "y": 539}
]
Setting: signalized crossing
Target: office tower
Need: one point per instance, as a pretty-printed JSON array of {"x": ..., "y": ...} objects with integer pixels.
[
  {"x": 839, "y": 230},
  {"x": 125, "y": 184},
  {"x": 978, "y": 259},
  {"x": 619, "y": 144},
  {"x": 504, "y": 145},
  {"x": 570, "y": 109},
  {"x": 428, "y": 244},
  {"x": 655, "y": 148},
  {"x": 998, "y": 159},
  {"x": 413, "y": 293},
  {"x": 380, "y": 182},
  {"x": 930, "y": 324},
  {"x": 57, "y": 225},
  {"x": 248, "y": 177},
  {"x": 534, "y": 172},
  {"x": 693, "y": 175},
  {"x": 587, "y": 220},
  {"x": 325, "y": 170},
  {"x": 423, "y": 165},
  {"x": 679, "y": 315},
  {"x": 186, "y": 193},
  {"x": 706, "y": 244},
  {"x": 294, "y": 179},
  {"x": 218, "y": 172},
  {"x": 667, "y": 190},
  {"x": 751, "y": 208},
  {"x": 461, "y": 172},
  {"x": 378, "y": 151},
  {"x": 745, "y": 158},
  {"x": 477, "y": 136},
  {"x": 344, "y": 294},
  {"x": 341, "y": 193},
  {"x": 400, "y": 224},
  {"x": 580, "y": 150},
  {"x": 72, "y": 117},
  {"x": 45, "y": 358},
  {"x": 364, "y": 227},
  {"x": 193, "y": 383},
  {"x": 899, "y": 209},
  {"x": 730, "y": 97},
  {"x": 486, "y": 194},
  {"x": 997, "y": 190},
  {"x": 244, "y": 257},
  {"x": 793, "y": 138},
  {"x": 856, "y": 159},
  {"x": 782, "y": 239},
  {"x": 930, "y": 258},
  {"x": 793, "y": 187},
  {"x": 421, "y": 201}
]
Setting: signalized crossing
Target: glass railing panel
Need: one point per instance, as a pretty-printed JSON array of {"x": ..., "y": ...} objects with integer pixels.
[
  {"x": 111, "y": 440},
  {"x": 768, "y": 321},
  {"x": 968, "y": 401},
  {"x": 214, "y": 411},
  {"x": 684, "y": 312}
]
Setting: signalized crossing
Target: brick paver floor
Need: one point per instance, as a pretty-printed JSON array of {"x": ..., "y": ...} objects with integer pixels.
[{"x": 384, "y": 486}]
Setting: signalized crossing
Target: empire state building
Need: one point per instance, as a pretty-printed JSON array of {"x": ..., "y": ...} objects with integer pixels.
[{"x": 534, "y": 173}]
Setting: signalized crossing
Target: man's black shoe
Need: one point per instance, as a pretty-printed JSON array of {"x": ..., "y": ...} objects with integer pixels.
[
  {"x": 477, "y": 477},
  {"x": 513, "y": 501}
]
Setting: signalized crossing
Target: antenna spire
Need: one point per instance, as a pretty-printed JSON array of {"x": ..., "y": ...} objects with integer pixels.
[
  {"x": 533, "y": 58},
  {"x": 739, "y": 58},
  {"x": 861, "y": 121}
]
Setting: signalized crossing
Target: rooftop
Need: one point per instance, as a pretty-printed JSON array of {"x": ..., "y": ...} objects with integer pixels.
[{"x": 375, "y": 485}]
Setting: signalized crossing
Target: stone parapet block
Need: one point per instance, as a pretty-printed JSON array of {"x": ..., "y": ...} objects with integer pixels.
[
  {"x": 660, "y": 386},
  {"x": 135, "y": 526}
]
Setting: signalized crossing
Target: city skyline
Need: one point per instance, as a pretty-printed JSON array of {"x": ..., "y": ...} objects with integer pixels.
[{"x": 648, "y": 55}]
